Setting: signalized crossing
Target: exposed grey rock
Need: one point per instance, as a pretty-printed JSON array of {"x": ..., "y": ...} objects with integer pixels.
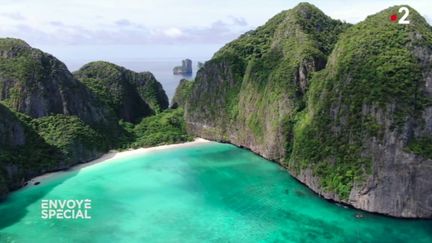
[
  {"x": 38, "y": 84},
  {"x": 399, "y": 183}
]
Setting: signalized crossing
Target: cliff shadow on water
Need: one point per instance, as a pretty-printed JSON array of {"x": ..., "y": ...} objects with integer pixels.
[
  {"x": 306, "y": 191},
  {"x": 14, "y": 207},
  {"x": 258, "y": 191}
]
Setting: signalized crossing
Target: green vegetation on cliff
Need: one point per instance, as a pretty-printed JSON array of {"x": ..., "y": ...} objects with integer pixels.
[
  {"x": 421, "y": 146},
  {"x": 29, "y": 147},
  {"x": 256, "y": 83},
  {"x": 50, "y": 120},
  {"x": 151, "y": 91},
  {"x": 372, "y": 70},
  {"x": 322, "y": 96},
  {"x": 305, "y": 26},
  {"x": 164, "y": 128},
  {"x": 182, "y": 93},
  {"x": 23, "y": 152},
  {"x": 131, "y": 95},
  {"x": 21, "y": 66},
  {"x": 75, "y": 139},
  {"x": 254, "y": 86},
  {"x": 54, "y": 106}
]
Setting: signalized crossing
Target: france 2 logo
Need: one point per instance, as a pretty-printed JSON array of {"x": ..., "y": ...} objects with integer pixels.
[{"x": 403, "y": 20}]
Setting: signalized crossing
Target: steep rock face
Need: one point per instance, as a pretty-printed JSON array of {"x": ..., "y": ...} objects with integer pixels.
[
  {"x": 12, "y": 134},
  {"x": 48, "y": 119},
  {"x": 37, "y": 84},
  {"x": 182, "y": 93},
  {"x": 23, "y": 152},
  {"x": 131, "y": 95},
  {"x": 150, "y": 90},
  {"x": 11, "y": 129},
  {"x": 253, "y": 87},
  {"x": 30, "y": 147},
  {"x": 358, "y": 131},
  {"x": 369, "y": 113},
  {"x": 109, "y": 83}
]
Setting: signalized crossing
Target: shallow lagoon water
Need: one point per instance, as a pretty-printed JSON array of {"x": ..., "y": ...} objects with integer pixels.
[{"x": 198, "y": 193}]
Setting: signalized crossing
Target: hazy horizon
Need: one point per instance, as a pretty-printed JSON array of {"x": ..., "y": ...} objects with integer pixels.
[
  {"x": 81, "y": 31},
  {"x": 157, "y": 54}
]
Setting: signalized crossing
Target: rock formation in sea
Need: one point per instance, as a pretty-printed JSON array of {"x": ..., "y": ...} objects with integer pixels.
[
  {"x": 185, "y": 68},
  {"x": 347, "y": 109}
]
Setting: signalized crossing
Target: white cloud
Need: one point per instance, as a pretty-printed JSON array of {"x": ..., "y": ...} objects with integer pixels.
[
  {"x": 124, "y": 32},
  {"x": 149, "y": 22},
  {"x": 14, "y": 16},
  {"x": 173, "y": 32},
  {"x": 123, "y": 22}
]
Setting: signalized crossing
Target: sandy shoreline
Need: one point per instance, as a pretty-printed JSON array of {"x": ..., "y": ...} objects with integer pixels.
[{"x": 116, "y": 155}]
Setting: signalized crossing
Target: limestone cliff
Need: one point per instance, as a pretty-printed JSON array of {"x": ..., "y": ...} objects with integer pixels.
[
  {"x": 20, "y": 148},
  {"x": 131, "y": 95},
  {"x": 49, "y": 120},
  {"x": 251, "y": 88},
  {"x": 182, "y": 92},
  {"x": 37, "y": 84},
  {"x": 347, "y": 109},
  {"x": 369, "y": 113},
  {"x": 57, "y": 111}
]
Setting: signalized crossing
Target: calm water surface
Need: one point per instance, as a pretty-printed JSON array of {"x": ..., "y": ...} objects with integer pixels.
[{"x": 199, "y": 193}]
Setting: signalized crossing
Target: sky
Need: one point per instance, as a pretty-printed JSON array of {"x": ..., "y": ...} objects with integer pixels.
[{"x": 156, "y": 29}]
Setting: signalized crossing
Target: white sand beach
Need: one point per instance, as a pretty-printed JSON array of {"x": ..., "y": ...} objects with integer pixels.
[{"x": 113, "y": 154}]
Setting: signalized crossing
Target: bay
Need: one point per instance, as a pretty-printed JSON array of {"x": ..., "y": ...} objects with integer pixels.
[{"x": 207, "y": 192}]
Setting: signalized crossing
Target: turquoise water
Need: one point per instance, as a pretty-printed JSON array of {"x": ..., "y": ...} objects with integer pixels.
[{"x": 200, "y": 193}]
